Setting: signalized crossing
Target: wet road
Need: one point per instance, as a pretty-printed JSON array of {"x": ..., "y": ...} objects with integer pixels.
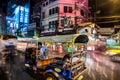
[
  {"x": 15, "y": 71},
  {"x": 99, "y": 67},
  {"x": 2, "y": 75}
]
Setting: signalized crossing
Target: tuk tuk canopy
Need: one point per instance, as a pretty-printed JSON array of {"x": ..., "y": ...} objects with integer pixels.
[{"x": 76, "y": 38}]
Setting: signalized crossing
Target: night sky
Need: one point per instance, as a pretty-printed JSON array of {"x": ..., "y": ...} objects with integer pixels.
[
  {"x": 104, "y": 7},
  {"x": 3, "y": 6},
  {"x": 108, "y": 7}
]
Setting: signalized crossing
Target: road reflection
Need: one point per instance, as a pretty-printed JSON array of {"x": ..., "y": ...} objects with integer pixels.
[{"x": 100, "y": 67}]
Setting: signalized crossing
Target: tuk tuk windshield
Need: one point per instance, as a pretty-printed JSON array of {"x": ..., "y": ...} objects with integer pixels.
[
  {"x": 48, "y": 48},
  {"x": 60, "y": 49}
]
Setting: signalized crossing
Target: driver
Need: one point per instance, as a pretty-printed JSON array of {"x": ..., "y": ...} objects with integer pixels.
[{"x": 43, "y": 51}]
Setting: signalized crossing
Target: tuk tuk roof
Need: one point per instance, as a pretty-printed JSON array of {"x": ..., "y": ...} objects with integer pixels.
[{"x": 64, "y": 38}]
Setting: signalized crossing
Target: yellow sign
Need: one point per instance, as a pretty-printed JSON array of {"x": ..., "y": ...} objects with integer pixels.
[
  {"x": 78, "y": 68},
  {"x": 57, "y": 69}
]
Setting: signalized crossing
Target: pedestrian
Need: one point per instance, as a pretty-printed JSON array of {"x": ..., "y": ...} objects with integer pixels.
[{"x": 11, "y": 52}]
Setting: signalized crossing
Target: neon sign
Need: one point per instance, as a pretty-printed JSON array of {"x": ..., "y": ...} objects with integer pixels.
[{"x": 21, "y": 14}]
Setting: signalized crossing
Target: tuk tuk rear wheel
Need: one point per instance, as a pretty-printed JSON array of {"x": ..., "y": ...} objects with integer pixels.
[{"x": 50, "y": 77}]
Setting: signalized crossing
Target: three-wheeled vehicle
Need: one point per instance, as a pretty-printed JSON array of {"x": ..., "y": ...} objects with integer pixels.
[{"x": 64, "y": 58}]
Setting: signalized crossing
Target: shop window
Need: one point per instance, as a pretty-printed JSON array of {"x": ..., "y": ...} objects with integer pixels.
[{"x": 53, "y": 24}]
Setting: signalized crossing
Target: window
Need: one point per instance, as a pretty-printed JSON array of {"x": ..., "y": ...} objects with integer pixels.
[
  {"x": 70, "y": 9},
  {"x": 53, "y": 10},
  {"x": 82, "y": 12},
  {"x": 50, "y": 12},
  {"x": 56, "y": 10},
  {"x": 50, "y": 24},
  {"x": 52, "y": 1},
  {"x": 56, "y": 25},
  {"x": 46, "y": 3},
  {"x": 43, "y": 4},
  {"x": 65, "y": 9},
  {"x": 43, "y": 15},
  {"x": 53, "y": 24}
]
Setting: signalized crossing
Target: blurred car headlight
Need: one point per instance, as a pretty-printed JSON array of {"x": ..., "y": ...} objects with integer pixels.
[{"x": 27, "y": 65}]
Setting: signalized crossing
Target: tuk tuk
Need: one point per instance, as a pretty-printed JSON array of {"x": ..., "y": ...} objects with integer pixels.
[{"x": 64, "y": 58}]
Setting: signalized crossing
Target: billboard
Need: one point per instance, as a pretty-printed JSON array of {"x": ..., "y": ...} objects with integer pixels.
[
  {"x": 26, "y": 15},
  {"x": 21, "y": 14}
]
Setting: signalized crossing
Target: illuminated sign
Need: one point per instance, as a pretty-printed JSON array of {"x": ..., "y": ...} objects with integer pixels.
[
  {"x": 26, "y": 17},
  {"x": 9, "y": 18},
  {"x": 31, "y": 26},
  {"x": 21, "y": 17},
  {"x": 21, "y": 14},
  {"x": 27, "y": 12}
]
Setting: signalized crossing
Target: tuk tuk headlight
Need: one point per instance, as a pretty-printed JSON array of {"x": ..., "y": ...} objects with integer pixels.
[{"x": 27, "y": 65}]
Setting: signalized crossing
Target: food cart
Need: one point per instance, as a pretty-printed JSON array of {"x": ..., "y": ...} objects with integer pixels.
[{"x": 65, "y": 59}]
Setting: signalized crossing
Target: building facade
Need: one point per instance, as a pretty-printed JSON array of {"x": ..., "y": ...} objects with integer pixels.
[
  {"x": 2, "y": 24},
  {"x": 34, "y": 28},
  {"x": 2, "y": 17},
  {"x": 62, "y": 16},
  {"x": 17, "y": 18}
]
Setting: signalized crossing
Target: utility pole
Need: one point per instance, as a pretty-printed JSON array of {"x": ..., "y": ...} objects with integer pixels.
[
  {"x": 119, "y": 36},
  {"x": 75, "y": 18}
]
